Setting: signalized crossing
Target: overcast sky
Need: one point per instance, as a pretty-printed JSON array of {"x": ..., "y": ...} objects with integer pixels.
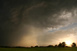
[{"x": 37, "y": 22}]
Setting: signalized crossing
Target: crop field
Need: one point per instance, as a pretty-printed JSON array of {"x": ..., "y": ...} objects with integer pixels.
[{"x": 38, "y": 49}]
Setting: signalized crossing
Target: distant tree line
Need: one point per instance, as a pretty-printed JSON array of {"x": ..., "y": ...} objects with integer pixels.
[{"x": 63, "y": 44}]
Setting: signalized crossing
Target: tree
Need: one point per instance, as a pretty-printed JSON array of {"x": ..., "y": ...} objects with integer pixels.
[
  {"x": 55, "y": 46},
  {"x": 63, "y": 44},
  {"x": 73, "y": 44},
  {"x": 50, "y": 46},
  {"x": 60, "y": 45},
  {"x": 36, "y": 46}
]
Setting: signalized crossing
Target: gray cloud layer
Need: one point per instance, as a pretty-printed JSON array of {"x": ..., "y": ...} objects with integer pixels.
[{"x": 18, "y": 16}]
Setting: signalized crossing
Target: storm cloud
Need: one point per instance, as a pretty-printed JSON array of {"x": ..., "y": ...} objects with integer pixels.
[{"x": 20, "y": 18}]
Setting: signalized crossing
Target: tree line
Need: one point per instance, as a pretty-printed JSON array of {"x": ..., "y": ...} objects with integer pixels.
[{"x": 63, "y": 44}]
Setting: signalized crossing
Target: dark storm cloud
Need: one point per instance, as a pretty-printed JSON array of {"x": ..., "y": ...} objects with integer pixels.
[{"x": 39, "y": 13}]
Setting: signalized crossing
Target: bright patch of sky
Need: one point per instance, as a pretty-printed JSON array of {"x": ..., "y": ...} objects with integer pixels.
[{"x": 70, "y": 26}]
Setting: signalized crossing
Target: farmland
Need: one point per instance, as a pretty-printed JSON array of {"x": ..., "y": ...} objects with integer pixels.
[{"x": 39, "y": 49}]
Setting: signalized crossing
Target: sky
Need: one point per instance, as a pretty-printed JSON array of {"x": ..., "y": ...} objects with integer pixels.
[{"x": 37, "y": 22}]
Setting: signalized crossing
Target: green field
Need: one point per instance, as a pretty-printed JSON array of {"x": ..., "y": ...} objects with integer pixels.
[{"x": 38, "y": 49}]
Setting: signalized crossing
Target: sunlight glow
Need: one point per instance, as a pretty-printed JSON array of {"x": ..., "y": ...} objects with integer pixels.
[{"x": 68, "y": 42}]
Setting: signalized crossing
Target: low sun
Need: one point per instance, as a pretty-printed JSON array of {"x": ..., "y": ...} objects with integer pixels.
[{"x": 68, "y": 42}]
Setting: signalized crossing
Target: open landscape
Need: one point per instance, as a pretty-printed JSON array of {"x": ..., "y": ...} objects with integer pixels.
[
  {"x": 39, "y": 49},
  {"x": 38, "y": 25}
]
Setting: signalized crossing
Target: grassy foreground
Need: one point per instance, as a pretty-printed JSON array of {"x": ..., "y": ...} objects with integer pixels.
[{"x": 38, "y": 49}]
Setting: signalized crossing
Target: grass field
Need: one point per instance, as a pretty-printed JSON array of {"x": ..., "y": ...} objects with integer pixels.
[{"x": 38, "y": 49}]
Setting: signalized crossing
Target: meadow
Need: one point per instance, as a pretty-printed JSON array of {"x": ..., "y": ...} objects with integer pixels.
[{"x": 39, "y": 49}]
